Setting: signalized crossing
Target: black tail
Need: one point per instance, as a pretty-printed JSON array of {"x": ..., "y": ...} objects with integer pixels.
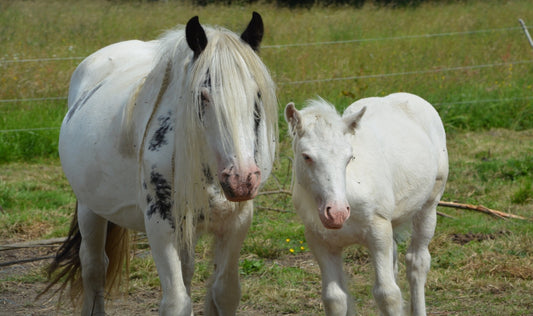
[
  {"x": 65, "y": 269},
  {"x": 67, "y": 264}
]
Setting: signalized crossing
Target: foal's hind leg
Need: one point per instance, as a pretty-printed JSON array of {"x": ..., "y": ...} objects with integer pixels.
[
  {"x": 418, "y": 258},
  {"x": 93, "y": 260}
]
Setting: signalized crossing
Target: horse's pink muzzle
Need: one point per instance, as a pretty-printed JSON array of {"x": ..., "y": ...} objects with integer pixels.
[
  {"x": 334, "y": 214},
  {"x": 240, "y": 185}
]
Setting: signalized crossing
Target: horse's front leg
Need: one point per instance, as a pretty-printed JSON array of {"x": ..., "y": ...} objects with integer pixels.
[
  {"x": 156, "y": 199},
  {"x": 381, "y": 245},
  {"x": 165, "y": 251},
  {"x": 229, "y": 229},
  {"x": 335, "y": 294}
]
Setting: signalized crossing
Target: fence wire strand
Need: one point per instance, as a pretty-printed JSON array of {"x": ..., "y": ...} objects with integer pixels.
[
  {"x": 289, "y": 45},
  {"x": 405, "y": 73},
  {"x": 434, "y": 104}
]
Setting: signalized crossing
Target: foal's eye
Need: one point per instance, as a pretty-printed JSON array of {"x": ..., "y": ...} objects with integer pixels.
[{"x": 307, "y": 158}]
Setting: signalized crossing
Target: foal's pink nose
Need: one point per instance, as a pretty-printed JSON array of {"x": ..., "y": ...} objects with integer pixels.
[
  {"x": 334, "y": 214},
  {"x": 240, "y": 185}
]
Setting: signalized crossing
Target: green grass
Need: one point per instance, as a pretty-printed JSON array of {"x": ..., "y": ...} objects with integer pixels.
[
  {"x": 487, "y": 113},
  {"x": 481, "y": 264},
  {"x": 37, "y": 201},
  {"x": 467, "y": 99}
]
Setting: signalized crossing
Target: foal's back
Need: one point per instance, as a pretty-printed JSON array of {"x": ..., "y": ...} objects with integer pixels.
[{"x": 400, "y": 155}]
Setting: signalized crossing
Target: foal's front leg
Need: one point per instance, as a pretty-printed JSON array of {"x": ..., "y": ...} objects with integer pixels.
[
  {"x": 229, "y": 229},
  {"x": 381, "y": 245},
  {"x": 335, "y": 294}
]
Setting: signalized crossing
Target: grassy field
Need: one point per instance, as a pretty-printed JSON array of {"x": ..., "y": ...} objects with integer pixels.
[{"x": 476, "y": 67}]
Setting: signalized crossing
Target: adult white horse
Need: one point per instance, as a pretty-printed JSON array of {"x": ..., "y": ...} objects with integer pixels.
[
  {"x": 170, "y": 137},
  {"x": 360, "y": 177}
]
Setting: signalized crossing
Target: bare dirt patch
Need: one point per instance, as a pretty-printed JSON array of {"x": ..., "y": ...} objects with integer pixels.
[
  {"x": 22, "y": 282},
  {"x": 463, "y": 239}
]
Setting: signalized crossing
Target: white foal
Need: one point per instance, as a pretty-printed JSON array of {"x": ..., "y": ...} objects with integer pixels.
[{"x": 357, "y": 179}]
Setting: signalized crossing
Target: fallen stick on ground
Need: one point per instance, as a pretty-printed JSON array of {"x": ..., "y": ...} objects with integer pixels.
[
  {"x": 479, "y": 208},
  {"x": 287, "y": 192},
  {"x": 10, "y": 263},
  {"x": 33, "y": 243}
]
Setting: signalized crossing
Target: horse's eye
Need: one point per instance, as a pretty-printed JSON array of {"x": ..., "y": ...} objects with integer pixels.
[
  {"x": 204, "y": 101},
  {"x": 307, "y": 158}
]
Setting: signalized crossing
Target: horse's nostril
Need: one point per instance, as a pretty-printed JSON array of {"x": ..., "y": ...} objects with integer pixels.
[
  {"x": 225, "y": 176},
  {"x": 328, "y": 211}
]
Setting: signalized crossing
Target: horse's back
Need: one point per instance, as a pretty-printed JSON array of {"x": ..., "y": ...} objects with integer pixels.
[
  {"x": 91, "y": 147},
  {"x": 132, "y": 59}
]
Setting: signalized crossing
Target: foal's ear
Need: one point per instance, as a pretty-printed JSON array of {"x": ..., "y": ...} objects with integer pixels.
[
  {"x": 352, "y": 120},
  {"x": 294, "y": 118},
  {"x": 195, "y": 36},
  {"x": 254, "y": 32}
]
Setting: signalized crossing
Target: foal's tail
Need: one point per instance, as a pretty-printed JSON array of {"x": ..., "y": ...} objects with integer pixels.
[{"x": 65, "y": 269}]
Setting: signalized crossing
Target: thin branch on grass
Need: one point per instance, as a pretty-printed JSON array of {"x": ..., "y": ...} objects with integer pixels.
[
  {"x": 480, "y": 208},
  {"x": 280, "y": 191},
  {"x": 10, "y": 263},
  {"x": 271, "y": 209},
  {"x": 54, "y": 241},
  {"x": 445, "y": 215},
  {"x": 33, "y": 243}
]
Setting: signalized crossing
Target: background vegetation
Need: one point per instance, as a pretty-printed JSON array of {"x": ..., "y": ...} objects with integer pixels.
[{"x": 469, "y": 58}]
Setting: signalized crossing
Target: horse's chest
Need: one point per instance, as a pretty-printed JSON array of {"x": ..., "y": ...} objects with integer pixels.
[{"x": 159, "y": 135}]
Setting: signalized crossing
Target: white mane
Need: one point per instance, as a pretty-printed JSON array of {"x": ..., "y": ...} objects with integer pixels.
[
  {"x": 319, "y": 114},
  {"x": 229, "y": 63}
]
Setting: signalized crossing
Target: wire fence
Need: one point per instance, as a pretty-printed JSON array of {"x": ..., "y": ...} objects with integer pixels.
[
  {"x": 289, "y": 45},
  {"x": 310, "y": 81}
]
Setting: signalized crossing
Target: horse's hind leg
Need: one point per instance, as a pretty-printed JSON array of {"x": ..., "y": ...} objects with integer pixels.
[
  {"x": 418, "y": 258},
  {"x": 93, "y": 260}
]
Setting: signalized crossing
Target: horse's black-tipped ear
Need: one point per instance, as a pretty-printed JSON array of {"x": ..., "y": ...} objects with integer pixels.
[
  {"x": 195, "y": 36},
  {"x": 253, "y": 35}
]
